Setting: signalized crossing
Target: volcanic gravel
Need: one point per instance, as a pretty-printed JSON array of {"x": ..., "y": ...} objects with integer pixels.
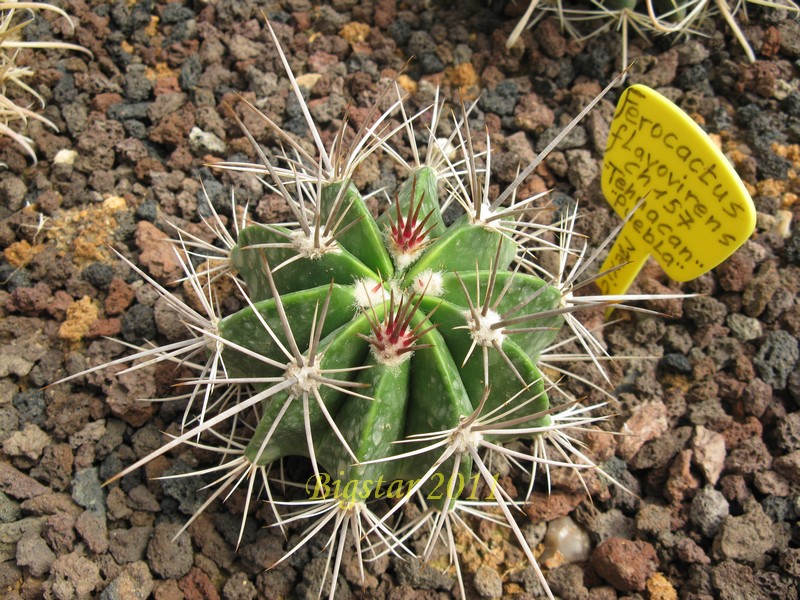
[{"x": 711, "y": 405}]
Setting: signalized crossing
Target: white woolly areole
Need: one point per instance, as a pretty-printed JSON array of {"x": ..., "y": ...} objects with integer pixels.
[
  {"x": 304, "y": 375},
  {"x": 403, "y": 260},
  {"x": 305, "y": 245},
  {"x": 369, "y": 292},
  {"x": 486, "y": 212},
  {"x": 462, "y": 440},
  {"x": 389, "y": 355},
  {"x": 430, "y": 282},
  {"x": 481, "y": 330},
  {"x": 446, "y": 147}
]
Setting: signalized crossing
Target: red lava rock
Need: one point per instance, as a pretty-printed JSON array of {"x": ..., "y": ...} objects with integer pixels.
[
  {"x": 672, "y": 308},
  {"x": 92, "y": 528},
  {"x": 58, "y": 306},
  {"x": 771, "y": 483},
  {"x": 197, "y": 586},
  {"x": 302, "y": 19},
  {"x": 158, "y": 255},
  {"x": 749, "y": 457},
  {"x": 681, "y": 481},
  {"x": 662, "y": 72},
  {"x": 531, "y": 114},
  {"x": 625, "y": 564},
  {"x": 50, "y": 503},
  {"x": 148, "y": 165},
  {"x": 120, "y": 296},
  {"x": 688, "y": 551},
  {"x": 167, "y": 590},
  {"x": 761, "y": 77},
  {"x": 552, "y": 43},
  {"x": 74, "y": 576},
  {"x": 29, "y": 299},
  {"x": 101, "y": 102},
  {"x": 789, "y": 466},
  {"x": 543, "y": 507},
  {"x": 736, "y": 432},
  {"x": 648, "y": 421},
  {"x": 104, "y": 328},
  {"x": 173, "y": 130},
  {"x": 59, "y": 532},
  {"x": 213, "y": 545},
  {"x": 736, "y": 272},
  {"x": 772, "y": 42},
  {"x": 385, "y": 13},
  {"x": 709, "y": 453},
  {"x": 734, "y": 488},
  {"x": 321, "y": 62},
  {"x": 97, "y": 143},
  {"x": 17, "y": 484},
  {"x": 125, "y": 393}
]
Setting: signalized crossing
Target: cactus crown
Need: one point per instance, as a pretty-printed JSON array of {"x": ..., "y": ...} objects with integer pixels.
[{"x": 405, "y": 351}]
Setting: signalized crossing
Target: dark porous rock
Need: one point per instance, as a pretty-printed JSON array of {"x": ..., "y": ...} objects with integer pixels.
[
  {"x": 134, "y": 583},
  {"x": 92, "y": 528},
  {"x": 749, "y": 457},
  {"x": 658, "y": 452},
  {"x": 777, "y": 357},
  {"x": 760, "y": 290},
  {"x": 98, "y": 274},
  {"x": 675, "y": 363},
  {"x": 17, "y": 484},
  {"x": 186, "y": 490},
  {"x": 417, "y": 574},
  {"x": 687, "y": 550},
  {"x": 9, "y": 510},
  {"x": 704, "y": 310},
  {"x": 138, "y": 324},
  {"x": 239, "y": 587},
  {"x": 567, "y": 582},
  {"x": 31, "y": 406},
  {"x": 59, "y": 532},
  {"x": 787, "y": 432},
  {"x": 736, "y": 272},
  {"x": 87, "y": 490},
  {"x": 208, "y": 539},
  {"x": 789, "y": 560},
  {"x": 129, "y": 545},
  {"x": 73, "y": 576},
  {"x": 733, "y": 580},
  {"x": 55, "y": 466},
  {"x": 746, "y": 538},
  {"x": 170, "y": 557},
  {"x": 607, "y": 525},
  {"x": 34, "y": 554},
  {"x": 625, "y": 564},
  {"x": 261, "y": 553},
  {"x": 276, "y": 583},
  {"x": 789, "y": 466},
  {"x": 137, "y": 86},
  {"x": 709, "y": 508},
  {"x": 500, "y": 100},
  {"x": 488, "y": 583}
]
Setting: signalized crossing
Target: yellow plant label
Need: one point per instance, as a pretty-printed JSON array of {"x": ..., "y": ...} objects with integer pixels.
[{"x": 693, "y": 210}]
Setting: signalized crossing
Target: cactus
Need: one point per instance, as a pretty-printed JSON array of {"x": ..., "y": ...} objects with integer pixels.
[{"x": 403, "y": 355}]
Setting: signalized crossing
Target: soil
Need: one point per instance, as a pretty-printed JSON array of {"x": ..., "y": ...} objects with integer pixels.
[{"x": 711, "y": 462}]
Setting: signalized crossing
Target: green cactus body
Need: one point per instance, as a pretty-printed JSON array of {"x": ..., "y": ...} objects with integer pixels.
[{"x": 404, "y": 325}]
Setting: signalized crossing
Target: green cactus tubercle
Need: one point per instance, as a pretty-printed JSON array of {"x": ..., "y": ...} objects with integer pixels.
[{"x": 399, "y": 327}]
